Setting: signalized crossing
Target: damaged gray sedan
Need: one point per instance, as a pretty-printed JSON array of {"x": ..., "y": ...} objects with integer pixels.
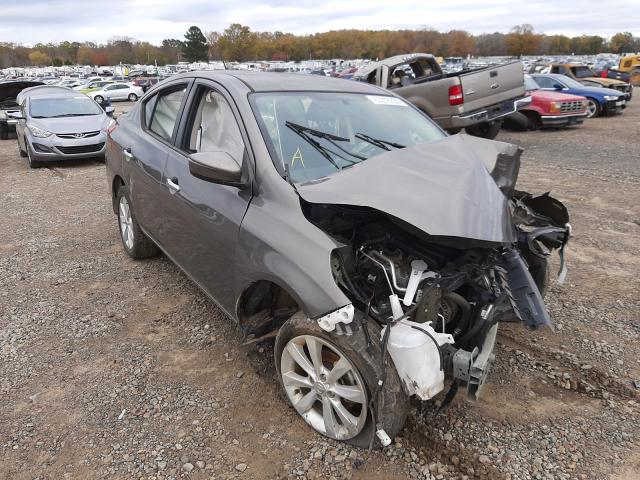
[{"x": 336, "y": 217}]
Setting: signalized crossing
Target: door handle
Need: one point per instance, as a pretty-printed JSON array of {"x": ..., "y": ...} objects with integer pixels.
[
  {"x": 173, "y": 184},
  {"x": 127, "y": 154}
]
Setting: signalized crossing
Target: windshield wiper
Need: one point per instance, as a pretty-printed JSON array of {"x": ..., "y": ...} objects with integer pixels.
[
  {"x": 316, "y": 133},
  {"x": 305, "y": 133},
  {"x": 378, "y": 142}
]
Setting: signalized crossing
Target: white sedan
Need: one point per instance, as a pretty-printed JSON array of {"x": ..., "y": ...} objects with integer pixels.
[{"x": 117, "y": 91}]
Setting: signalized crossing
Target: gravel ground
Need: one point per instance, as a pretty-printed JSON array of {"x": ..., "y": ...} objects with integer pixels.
[{"x": 122, "y": 369}]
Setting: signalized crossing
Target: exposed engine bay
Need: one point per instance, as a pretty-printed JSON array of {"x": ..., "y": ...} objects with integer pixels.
[{"x": 447, "y": 293}]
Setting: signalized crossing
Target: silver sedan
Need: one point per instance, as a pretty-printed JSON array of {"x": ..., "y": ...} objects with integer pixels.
[{"x": 61, "y": 126}]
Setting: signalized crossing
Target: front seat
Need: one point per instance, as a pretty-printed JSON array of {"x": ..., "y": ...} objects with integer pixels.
[{"x": 218, "y": 128}]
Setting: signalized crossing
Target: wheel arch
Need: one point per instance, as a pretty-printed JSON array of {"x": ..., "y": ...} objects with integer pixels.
[
  {"x": 534, "y": 116},
  {"x": 264, "y": 305},
  {"x": 116, "y": 184}
]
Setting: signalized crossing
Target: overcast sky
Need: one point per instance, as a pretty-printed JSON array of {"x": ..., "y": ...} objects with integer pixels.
[{"x": 32, "y": 21}]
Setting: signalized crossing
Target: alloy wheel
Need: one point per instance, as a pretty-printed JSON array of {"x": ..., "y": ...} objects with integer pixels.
[
  {"x": 592, "y": 109},
  {"x": 324, "y": 387},
  {"x": 126, "y": 222}
]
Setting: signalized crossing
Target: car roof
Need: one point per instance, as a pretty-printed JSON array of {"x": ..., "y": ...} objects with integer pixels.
[{"x": 286, "y": 82}]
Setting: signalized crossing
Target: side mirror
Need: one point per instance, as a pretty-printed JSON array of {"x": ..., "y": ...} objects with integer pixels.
[
  {"x": 109, "y": 110},
  {"x": 216, "y": 167}
]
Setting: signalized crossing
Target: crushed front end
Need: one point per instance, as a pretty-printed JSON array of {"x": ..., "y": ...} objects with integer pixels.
[{"x": 437, "y": 298}]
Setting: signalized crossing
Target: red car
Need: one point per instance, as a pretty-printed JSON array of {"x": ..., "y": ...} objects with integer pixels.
[{"x": 547, "y": 109}]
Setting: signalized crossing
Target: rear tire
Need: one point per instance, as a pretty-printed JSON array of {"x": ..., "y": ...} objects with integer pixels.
[
  {"x": 133, "y": 97},
  {"x": 392, "y": 405},
  {"x": 488, "y": 130},
  {"x": 99, "y": 99},
  {"x": 137, "y": 245}
]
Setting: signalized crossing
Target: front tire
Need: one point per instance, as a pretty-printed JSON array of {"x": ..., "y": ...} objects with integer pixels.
[
  {"x": 4, "y": 131},
  {"x": 593, "y": 108},
  {"x": 518, "y": 122},
  {"x": 330, "y": 378},
  {"x": 32, "y": 163},
  {"x": 135, "y": 242},
  {"x": 22, "y": 152},
  {"x": 99, "y": 99},
  {"x": 488, "y": 130},
  {"x": 133, "y": 97}
]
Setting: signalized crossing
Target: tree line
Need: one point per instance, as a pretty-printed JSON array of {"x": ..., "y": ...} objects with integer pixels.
[{"x": 239, "y": 43}]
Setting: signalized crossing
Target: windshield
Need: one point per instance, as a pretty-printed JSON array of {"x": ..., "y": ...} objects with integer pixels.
[
  {"x": 530, "y": 83},
  {"x": 63, "y": 107},
  {"x": 315, "y": 134}
]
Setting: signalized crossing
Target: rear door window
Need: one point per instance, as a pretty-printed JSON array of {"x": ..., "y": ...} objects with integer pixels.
[{"x": 165, "y": 112}]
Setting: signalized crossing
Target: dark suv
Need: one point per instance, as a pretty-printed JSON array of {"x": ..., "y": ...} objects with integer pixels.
[{"x": 336, "y": 217}]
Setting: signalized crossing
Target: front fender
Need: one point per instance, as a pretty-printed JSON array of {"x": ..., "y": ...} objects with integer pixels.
[{"x": 286, "y": 249}]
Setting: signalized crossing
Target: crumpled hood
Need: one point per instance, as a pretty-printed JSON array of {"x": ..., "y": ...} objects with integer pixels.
[{"x": 443, "y": 188}]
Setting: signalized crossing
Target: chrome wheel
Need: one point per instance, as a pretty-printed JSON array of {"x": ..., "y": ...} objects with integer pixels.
[
  {"x": 592, "y": 109},
  {"x": 324, "y": 387},
  {"x": 126, "y": 222}
]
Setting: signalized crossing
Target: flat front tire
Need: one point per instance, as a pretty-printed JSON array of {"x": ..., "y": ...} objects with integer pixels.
[
  {"x": 135, "y": 242},
  {"x": 330, "y": 378}
]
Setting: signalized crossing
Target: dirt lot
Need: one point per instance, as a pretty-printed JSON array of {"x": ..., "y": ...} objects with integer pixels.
[{"x": 112, "y": 368}]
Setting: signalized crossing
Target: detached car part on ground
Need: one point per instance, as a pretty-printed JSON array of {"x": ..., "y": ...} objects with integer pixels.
[
  {"x": 600, "y": 101},
  {"x": 380, "y": 252},
  {"x": 476, "y": 100},
  {"x": 548, "y": 109}
]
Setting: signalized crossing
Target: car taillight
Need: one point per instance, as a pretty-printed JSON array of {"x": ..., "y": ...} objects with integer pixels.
[{"x": 456, "y": 96}]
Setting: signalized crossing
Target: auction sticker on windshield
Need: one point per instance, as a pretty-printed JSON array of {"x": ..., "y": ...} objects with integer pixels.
[{"x": 384, "y": 100}]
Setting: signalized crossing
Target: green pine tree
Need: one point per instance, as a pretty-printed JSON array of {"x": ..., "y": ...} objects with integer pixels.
[{"x": 195, "y": 48}]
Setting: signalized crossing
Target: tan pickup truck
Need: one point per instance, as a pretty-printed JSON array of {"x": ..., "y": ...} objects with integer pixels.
[{"x": 475, "y": 100}]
